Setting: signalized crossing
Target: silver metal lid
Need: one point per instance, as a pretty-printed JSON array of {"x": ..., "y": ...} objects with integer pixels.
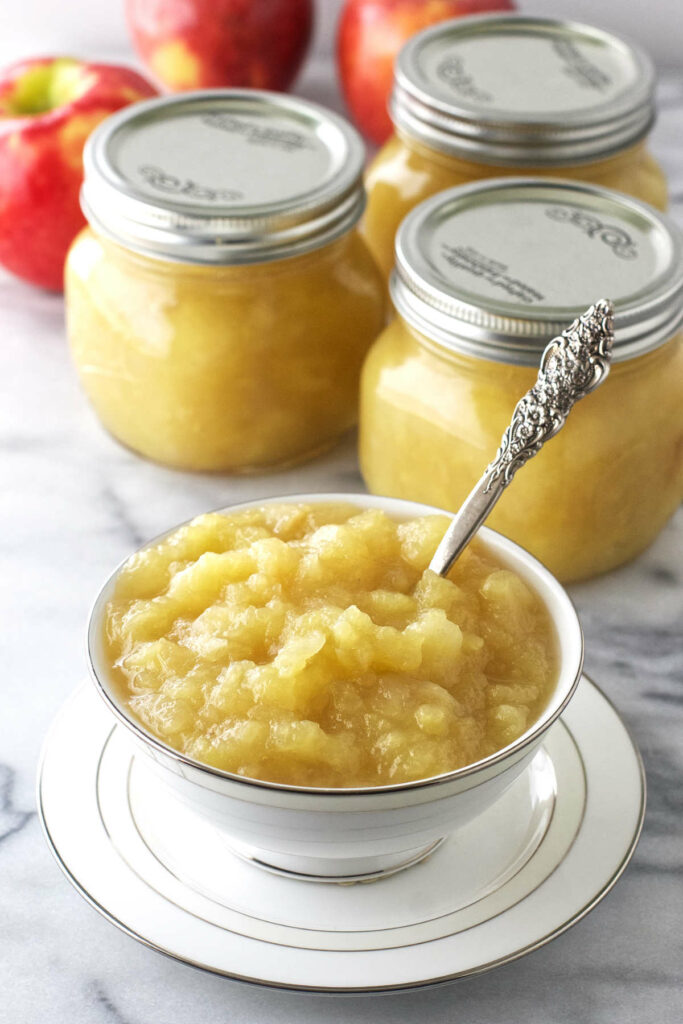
[
  {"x": 497, "y": 268},
  {"x": 522, "y": 91},
  {"x": 223, "y": 176}
]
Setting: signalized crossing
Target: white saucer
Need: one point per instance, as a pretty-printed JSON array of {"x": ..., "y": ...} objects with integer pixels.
[{"x": 519, "y": 875}]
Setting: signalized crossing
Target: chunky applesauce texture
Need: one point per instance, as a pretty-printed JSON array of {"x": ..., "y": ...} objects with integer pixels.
[{"x": 309, "y": 644}]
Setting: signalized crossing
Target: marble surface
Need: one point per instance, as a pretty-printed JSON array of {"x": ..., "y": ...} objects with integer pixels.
[{"x": 72, "y": 504}]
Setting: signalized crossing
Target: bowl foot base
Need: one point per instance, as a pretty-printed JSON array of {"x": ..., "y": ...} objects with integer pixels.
[{"x": 338, "y": 872}]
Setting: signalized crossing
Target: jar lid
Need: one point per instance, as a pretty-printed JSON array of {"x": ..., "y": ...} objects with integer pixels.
[
  {"x": 223, "y": 176},
  {"x": 497, "y": 268},
  {"x": 522, "y": 91}
]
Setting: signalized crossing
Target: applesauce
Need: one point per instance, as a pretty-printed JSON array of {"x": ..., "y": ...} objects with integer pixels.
[
  {"x": 221, "y": 301},
  {"x": 309, "y": 645},
  {"x": 505, "y": 95},
  {"x": 485, "y": 276}
]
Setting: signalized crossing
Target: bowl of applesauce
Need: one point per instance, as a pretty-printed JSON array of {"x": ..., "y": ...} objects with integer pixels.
[{"x": 296, "y": 675}]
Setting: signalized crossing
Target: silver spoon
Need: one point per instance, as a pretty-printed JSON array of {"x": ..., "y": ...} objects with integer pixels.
[{"x": 572, "y": 365}]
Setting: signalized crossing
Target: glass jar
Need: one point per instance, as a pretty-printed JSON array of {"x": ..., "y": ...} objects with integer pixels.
[
  {"x": 485, "y": 276},
  {"x": 221, "y": 301},
  {"x": 502, "y": 95}
]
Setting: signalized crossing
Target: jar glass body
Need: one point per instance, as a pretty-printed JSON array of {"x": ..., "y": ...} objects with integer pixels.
[
  {"x": 223, "y": 368},
  {"x": 595, "y": 497},
  {"x": 405, "y": 172}
]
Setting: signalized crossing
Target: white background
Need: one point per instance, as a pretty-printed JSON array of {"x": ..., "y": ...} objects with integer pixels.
[{"x": 96, "y": 28}]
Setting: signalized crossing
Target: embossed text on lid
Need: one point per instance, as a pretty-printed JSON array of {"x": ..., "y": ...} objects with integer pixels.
[
  {"x": 521, "y": 90},
  {"x": 499, "y": 267},
  {"x": 223, "y": 176}
]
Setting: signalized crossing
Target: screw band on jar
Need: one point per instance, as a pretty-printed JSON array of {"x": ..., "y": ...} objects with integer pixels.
[
  {"x": 224, "y": 176},
  {"x": 523, "y": 91},
  {"x": 495, "y": 268}
]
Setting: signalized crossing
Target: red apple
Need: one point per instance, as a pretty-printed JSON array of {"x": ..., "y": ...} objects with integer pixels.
[
  {"x": 48, "y": 107},
  {"x": 203, "y": 44},
  {"x": 371, "y": 32}
]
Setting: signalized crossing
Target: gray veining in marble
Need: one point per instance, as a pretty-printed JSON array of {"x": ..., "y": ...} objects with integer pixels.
[{"x": 72, "y": 504}]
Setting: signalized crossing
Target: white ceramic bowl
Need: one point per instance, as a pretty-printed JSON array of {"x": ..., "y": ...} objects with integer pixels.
[{"x": 343, "y": 834}]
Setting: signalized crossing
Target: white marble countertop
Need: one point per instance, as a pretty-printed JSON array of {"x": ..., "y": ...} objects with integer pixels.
[{"x": 72, "y": 505}]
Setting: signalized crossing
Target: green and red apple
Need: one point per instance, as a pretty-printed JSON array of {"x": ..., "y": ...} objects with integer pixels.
[
  {"x": 370, "y": 34},
  {"x": 48, "y": 107},
  {"x": 203, "y": 44}
]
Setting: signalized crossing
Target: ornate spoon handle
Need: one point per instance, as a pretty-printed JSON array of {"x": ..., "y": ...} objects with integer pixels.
[{"x": 572, "y": 366}]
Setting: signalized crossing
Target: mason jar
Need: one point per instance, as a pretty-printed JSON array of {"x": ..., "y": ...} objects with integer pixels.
[
  {"x": 221, "y": 301},
  {"x": 485, "y": 276},
  {"x": 496, "y": 95}
]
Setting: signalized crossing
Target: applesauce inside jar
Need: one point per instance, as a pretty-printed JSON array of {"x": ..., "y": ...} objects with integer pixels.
[
  {"x": 309, "y": 645},
  {"x": 503, "y": 95}
]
